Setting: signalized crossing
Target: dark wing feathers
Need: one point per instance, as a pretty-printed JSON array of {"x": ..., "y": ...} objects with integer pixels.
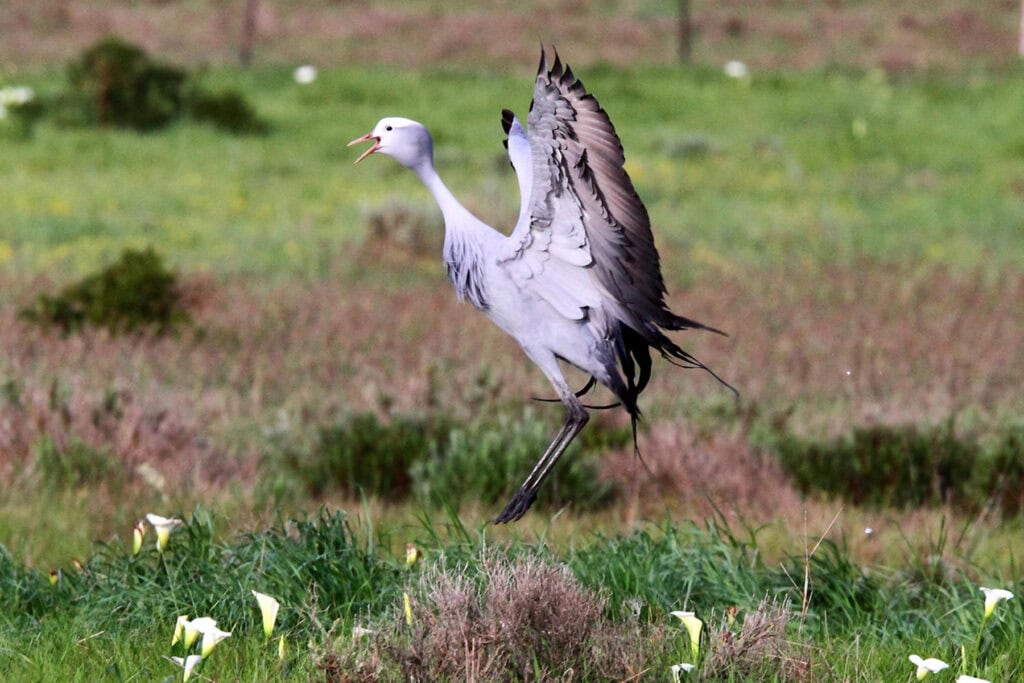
[{"x": 578, "y": 145}]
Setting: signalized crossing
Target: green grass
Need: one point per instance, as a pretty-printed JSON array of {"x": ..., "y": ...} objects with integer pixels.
[
  {"x": 781, "y": 177},
  {"x": 114, "y": 617}
]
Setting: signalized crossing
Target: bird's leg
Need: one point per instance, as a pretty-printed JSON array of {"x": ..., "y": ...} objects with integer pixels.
[{"x": 576, "y": 417}]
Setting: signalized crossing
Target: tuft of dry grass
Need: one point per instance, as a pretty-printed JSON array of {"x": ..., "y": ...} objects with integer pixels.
[
  {"x": 760, "y": 649},
  {"x": 700, "y": 471},
  {"x": 523, "y": 619},
  {"x": 531, "y": 621}
]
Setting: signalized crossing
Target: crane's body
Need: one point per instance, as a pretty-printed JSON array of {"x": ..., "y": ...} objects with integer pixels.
[{"x": 578, "y": 279}]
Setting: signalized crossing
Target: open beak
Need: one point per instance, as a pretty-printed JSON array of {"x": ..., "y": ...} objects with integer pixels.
[{"x": 365, "y": 138}]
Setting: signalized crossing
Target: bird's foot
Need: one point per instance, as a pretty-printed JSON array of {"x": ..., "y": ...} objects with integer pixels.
[{"x": 517, "y": 507}]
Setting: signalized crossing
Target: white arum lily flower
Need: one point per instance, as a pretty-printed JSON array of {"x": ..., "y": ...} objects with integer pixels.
[
  {"x": 187, "y": 663},
  {"x": 676, "y": 669},
  {"x": 179, "y": 629},
  {"x": 138, "y": 534},
  {"x": 268, "y": 608},
  {"x": 163, "y": 527},
  {"x": 993, "y": 596},
  {"x": 197, "y": 626},
  {"x": 693, "y": 627},
  {"x": 927, "y": 666},
  {"x": 211, "y": 637},
  {"x": 971, "y": 679}
]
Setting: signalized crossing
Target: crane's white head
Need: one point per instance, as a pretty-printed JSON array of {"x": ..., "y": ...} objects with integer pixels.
[{"x": 404, "y": 139}]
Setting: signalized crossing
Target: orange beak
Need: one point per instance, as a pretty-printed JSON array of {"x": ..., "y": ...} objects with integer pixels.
[{"x": 365, "y": 138}]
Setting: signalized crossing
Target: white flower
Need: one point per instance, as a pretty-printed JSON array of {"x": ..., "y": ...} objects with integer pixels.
[
  {"x": 211, "y": 637},
  {"x": 195, "y": 627},
  {"x": 736, "y": 69},
  {"x": 971, "y": 679},
  {"x": 179, "y": 629},
  {"x": 187, "y": 663},
  {"x": 677, "y": 668},
  {"x": 163, "y": 527},
  {"x": 305, "y": 74},
  {"x": 927, "y": 666},
  {"x": 693, "y": 627},
  {"x": 268, "y": 608},
  {"x": 993, "y": 596}
]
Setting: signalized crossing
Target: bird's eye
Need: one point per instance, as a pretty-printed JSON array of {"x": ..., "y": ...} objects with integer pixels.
[{"x": 387, "y": 127}]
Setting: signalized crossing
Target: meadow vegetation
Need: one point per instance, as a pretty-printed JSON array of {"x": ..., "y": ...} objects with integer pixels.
[{"x": 315, "y": 398}]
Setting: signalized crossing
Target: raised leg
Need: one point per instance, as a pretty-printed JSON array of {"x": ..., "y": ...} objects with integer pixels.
[{"x": 576, "y": 417}]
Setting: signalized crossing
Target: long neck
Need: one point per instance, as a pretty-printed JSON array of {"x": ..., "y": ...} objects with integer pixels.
[
  {"x": 466, "y": 238},
  {"x": 456, "y": 216}
]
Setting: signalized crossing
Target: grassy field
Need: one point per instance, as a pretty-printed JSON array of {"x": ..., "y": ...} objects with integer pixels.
[{"x": 858, "y": 232}]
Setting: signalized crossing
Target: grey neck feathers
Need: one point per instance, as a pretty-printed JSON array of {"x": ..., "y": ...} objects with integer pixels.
[{"x": 465, "y": 238}]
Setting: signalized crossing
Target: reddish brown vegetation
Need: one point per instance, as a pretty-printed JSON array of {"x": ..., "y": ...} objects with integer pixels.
[
  {"x": 530, "y": 621},
  {"x": 267, "y": 363},
  {"x": 941, "y": 34}
]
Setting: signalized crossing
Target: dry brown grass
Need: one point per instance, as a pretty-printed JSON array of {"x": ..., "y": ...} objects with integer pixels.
[
  {"x": 938, "y": 34},
  {"x": 700, "y": 473},
  {"x": 524, "y": 619},
  {"x": 271, "y": 361},
  {"x": 762, "y": 647}
]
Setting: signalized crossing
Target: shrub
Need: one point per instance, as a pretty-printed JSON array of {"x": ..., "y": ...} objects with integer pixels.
[
  {"x": 228, "y": 110},
  {"x": 427, "y": 457},
  {"x": 136, "y": 291},
  {"x": 487, "y": 461},
  {"x": 880, "y": 465},
  {"x": 906, "y": 467},
  {"x": 115, "y": 83},
  {"x": 365, "y": 455},
  {"x": 499, "y": 620}
]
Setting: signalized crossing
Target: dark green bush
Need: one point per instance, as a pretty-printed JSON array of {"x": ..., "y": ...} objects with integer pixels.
[
  {"x": 135, "y": 292},
  {"x": 906, "y": 467},
  {"x": 429, "y": 458},
  {"x": 364, "y": 454},
  {"x": 999, "y": 473},
  {"x": 115, "y": 83},
  {"x": 228, "y": 110},
  {"x": 490, "y": 459}
]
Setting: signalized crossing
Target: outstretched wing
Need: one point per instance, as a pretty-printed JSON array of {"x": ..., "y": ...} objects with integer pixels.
[{"x": 584, "y": 214}]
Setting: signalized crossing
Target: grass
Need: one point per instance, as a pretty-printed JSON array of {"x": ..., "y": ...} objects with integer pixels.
[
  {"x": 334, "y": 572},
  {"x": 856, "y": 232},
  {"x": 934, "y": 179}
]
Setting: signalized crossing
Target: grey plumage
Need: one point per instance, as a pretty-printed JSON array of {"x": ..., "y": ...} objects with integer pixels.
[{"x": 579, "y": 277}]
